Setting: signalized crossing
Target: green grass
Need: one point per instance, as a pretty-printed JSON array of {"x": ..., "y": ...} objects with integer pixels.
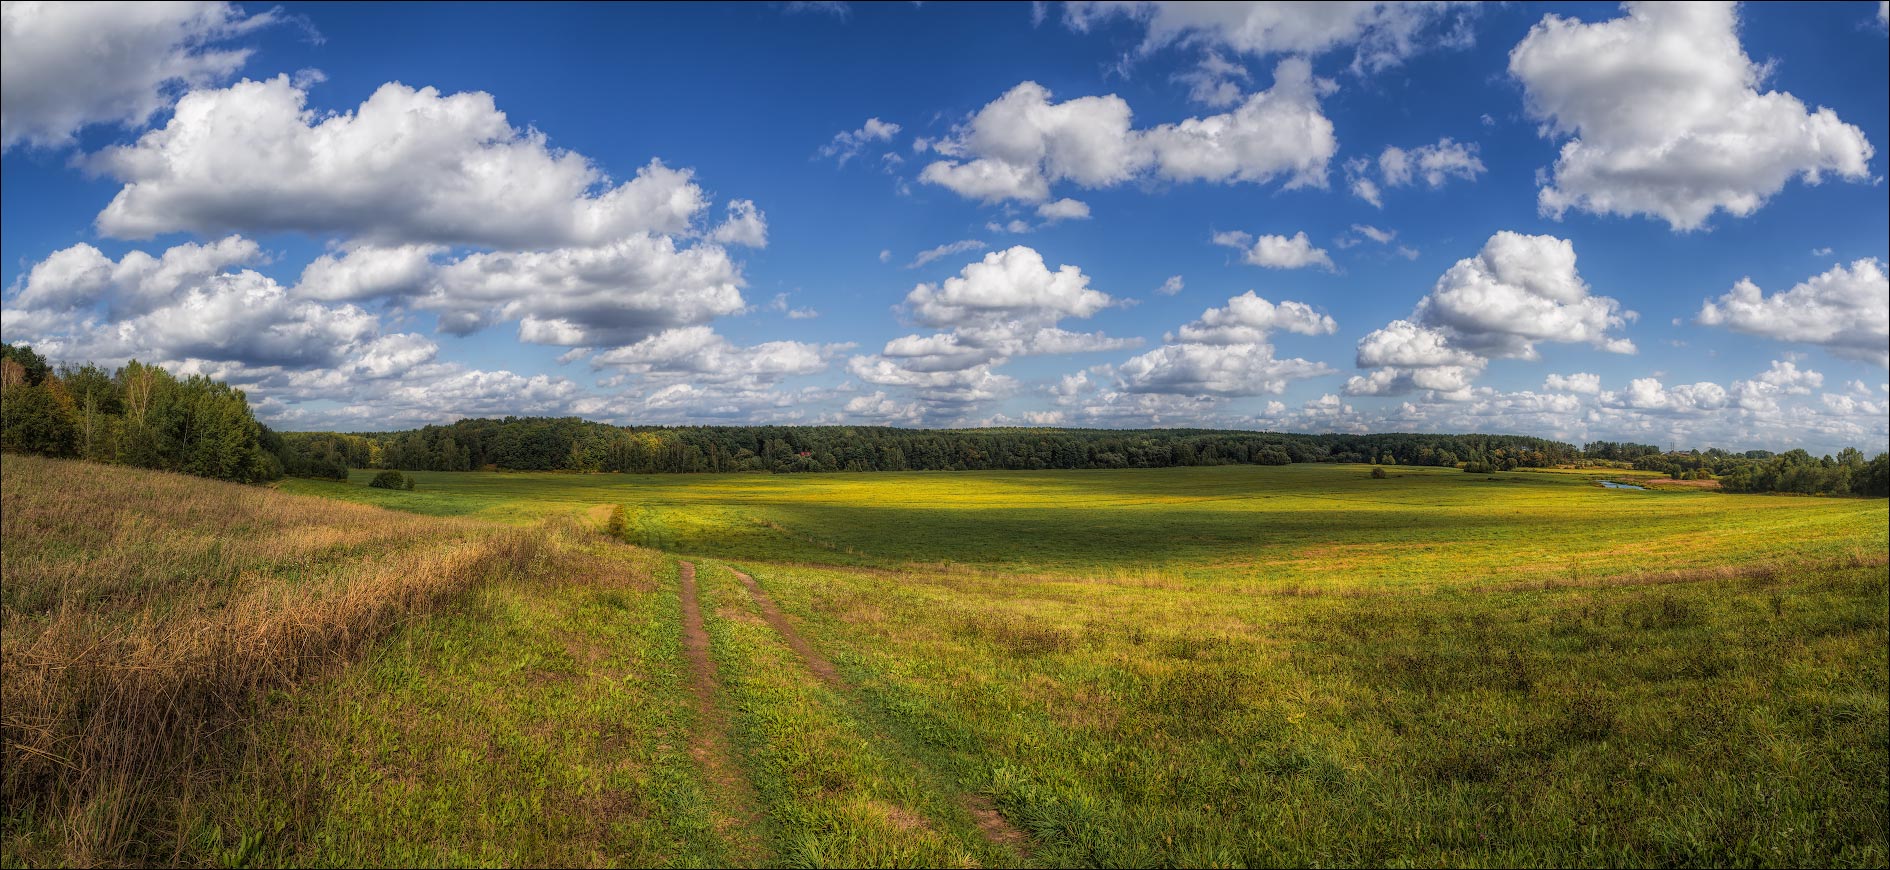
[
  {"x": 1228, "y": 666},
  {"x": 545, "y": 724},
  {"x": 1736, "y": 721},
  {"x": 1314, "y": 526}
]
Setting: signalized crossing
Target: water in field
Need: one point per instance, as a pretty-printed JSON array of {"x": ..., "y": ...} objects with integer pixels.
[{"x": 1612, "y": 485}]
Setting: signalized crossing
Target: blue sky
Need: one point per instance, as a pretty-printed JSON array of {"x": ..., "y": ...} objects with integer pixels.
[{"x": 1572, "y": 220}]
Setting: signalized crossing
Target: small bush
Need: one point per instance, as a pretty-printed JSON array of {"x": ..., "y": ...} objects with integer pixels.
[
  {"x": 617, "y": 525},
  {"x": 391, "y": 480},
  {"x": 1479, "y": 468},
  {"x": 1379, "y": 473}
]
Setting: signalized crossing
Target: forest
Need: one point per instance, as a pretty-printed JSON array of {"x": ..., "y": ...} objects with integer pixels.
[
  {"x": 144, "y": 416},
  {"x": 572, "y": 444},
  {"x": 139, "y": 415}
]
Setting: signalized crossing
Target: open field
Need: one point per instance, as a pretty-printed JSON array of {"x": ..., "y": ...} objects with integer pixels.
[
  {"x": 1195, "y": 666},
  {"x": 1310, "y": 526}
]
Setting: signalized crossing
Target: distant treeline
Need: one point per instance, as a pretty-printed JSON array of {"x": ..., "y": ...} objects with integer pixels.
[
  {"x": 142, "y": 415},
  {"x": 572, "y": 444},
  {"x": 138, "y": 415},
  {"x": 1847, "y": 473}
]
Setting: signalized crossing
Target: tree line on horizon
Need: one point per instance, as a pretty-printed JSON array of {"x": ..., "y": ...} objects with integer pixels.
[{"x": 143, "y": 415}]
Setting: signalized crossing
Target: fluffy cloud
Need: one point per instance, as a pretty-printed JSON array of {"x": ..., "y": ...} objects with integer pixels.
[
  {"x": 1382, "y": 34},
  {"x": 1278, "y": 133},
  {"x": 1225, "y": 352},
  {"x": 614, "y": 294},
  {"x": 1022, "y": 142},
  {"x": 1520, "y": 290},
  {"x": 1171, "y": 286},
  {"x": 407, "y": 166},
  {"x": 698, "y": 355},
  {"x": 1444, "y": 382},
  {"x": 1006, "y": 305},
  {"x": 186, "y": 305},
  {"x": 879, "y": 408},
  {"x": 745, "y": 225},
  {"x": 1214, "y": 370},
  {"x": 1007, "y": 286},
  {"x": 369, "y": 272},
  {"x": 1407, "y": 345},
  {"x": 453, "y": 393},
  {"x": 1247, "y": 319},
  {"x": 1648, "y": 395},
  {"x": 1016, "y": 147},
  {"x": 1063, "y": 210},
  {"x": 1433, "y": 164},
  {"x": 1845, "y": 310},
  {"x": 66, "y": 65},
  {"x": 1517, "y": 291},
  {"x": 1275, "y": 252},
  {"x": 1666, "y": 118},
  {"x": 1579, "y": 382},
  {"x": 847, "y": 144},
  {"x": 1412, "y": 357},
  {"x": 78, "y": 278},
  {"x": 942, "y": 394}
]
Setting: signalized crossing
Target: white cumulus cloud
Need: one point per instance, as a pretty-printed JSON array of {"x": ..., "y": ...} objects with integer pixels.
[
  {"x": 1275, "y": 252},
  {"x": 1021, "y": 144},
  {"x": 1845, "y": 310},
  {"x": 1664, "y": 117},
  {"x": 407, "y": 166},
  {"x": 64, "y": 66}
]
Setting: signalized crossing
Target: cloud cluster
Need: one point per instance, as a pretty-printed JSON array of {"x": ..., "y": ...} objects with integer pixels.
[
  {"x": 430, "y": 203},
  {"x": 697, "y": 355},
  {"x": 1665, "y": 117},
  {"x": 1021, "y": 144},
  {"x": 1008, "y": 304},
  {"x": 194, "y": 303},
  {"x": 607, "y": 295},
  {"x": 1518, "y": 291},
  {"x": 64, "y": 66},
  {"x": 1382, "y": 35},
  {"x": 1225, "y": 352},
  {"x": 407, "y": 166},
  {"x": 1845, "y": 310},
  {"x": 1432, "y": 164}
]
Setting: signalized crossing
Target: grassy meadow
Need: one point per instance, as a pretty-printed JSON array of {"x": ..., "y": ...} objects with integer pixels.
[{"x": 1232, "y": 666}]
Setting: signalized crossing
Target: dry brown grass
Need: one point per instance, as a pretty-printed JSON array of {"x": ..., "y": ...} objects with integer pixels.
[{"x": 146, "y": 613}]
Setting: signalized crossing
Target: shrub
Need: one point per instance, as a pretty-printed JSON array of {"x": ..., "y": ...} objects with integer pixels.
[
  {"x": 1379, "y": 473},
  {"x": 617, "y": 525},
  {"x": 391, "y": 480},
  {"x": 1479, "y": 468}
]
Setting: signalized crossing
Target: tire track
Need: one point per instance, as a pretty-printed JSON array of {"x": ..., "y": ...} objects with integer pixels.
[
  {"x": 992, "y": 824},
  {"x": 708, "y": 741}
]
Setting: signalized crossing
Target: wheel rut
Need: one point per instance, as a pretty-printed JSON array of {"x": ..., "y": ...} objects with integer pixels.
[
  {"x": 991, "y": 824},
  {"x": 708, "y": 741}
]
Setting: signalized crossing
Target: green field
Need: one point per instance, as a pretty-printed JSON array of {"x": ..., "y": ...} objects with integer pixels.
[
  {"x": 1257, "y": 528},
  {"x": 1234, "y": 666}
]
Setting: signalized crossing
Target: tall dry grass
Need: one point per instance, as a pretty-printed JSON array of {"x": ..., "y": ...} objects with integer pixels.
[{"x": 147, "y": 613}]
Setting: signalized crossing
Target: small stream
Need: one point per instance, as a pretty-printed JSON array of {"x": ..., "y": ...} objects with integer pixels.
[{"x": 1612, "y": 485}]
